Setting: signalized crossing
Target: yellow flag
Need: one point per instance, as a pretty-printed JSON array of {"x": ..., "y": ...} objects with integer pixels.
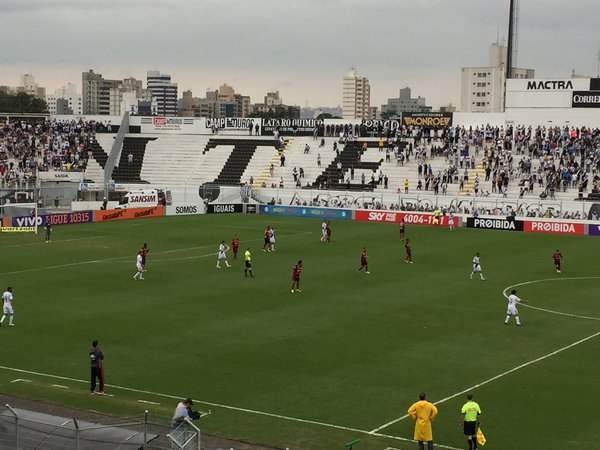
[{"x": 480, "y": 437}]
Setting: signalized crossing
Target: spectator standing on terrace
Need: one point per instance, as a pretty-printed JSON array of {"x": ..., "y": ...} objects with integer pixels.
[
  {"x": 318, "y": 160},
  {"x": 97, "y": 369},
  {"x": 130, "y": 158},
  {"x": 406, "y": 185},
  {"x": 423, "y": 413}
]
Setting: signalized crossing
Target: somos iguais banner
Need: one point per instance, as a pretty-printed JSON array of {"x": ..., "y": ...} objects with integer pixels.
[
  {"x": 418, "y": 218},
  {"x": 55, "y": 219},
  {"x": 427, "y": 119},
  {"x": 306, "y": 211},
  {"x": 132, "y": 213}
]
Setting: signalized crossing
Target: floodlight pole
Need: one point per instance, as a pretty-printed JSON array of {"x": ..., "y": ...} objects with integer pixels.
[{"x": 509, "y": 51}]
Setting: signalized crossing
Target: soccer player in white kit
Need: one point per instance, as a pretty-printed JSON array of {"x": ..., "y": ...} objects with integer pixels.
[
  {"x": 512, "y": 307},
  {"x": 324, "y": 231},
  {"x": 451, "y": 221},
  {"x": 477, "y": 267},
  {"x": 140, "y": 266},
  {"x": 272, "y": 239},
  {"x": 8, "y": 308},
  {"x": 222, "y": 254}
]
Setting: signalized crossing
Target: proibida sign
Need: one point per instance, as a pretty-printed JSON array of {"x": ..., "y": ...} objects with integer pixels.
[
  {"x": 495, "y": 224},
  {"x": 539, "y": 226}
]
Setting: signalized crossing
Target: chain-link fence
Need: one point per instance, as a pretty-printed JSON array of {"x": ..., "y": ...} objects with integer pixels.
[{"x": 27, "y": 430}]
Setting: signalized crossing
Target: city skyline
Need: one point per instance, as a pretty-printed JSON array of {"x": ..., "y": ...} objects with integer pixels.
[{"x": 278, "y": 46}]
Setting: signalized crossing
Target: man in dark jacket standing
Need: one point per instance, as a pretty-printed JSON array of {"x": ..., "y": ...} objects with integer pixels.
[{"x": 96, "y": 358}]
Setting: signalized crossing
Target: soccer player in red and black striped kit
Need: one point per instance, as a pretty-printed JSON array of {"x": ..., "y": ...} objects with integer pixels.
[
  {"x": 557, "y": 257},
  {"x": 144, "y": 251},
  {"x": 267, "y": 246},
  {"x": 235, "y": 244},
  {"x": 363, "y": 260},
  {"x": 296, "y": 271},
  {"x": 96, "y": 358}
]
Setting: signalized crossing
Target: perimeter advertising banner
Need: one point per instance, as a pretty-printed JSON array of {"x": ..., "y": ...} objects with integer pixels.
[
  {"x": 55, "y": 219},
  {"x": 131, "y": 213},
  {"x": 300, "y": 127},
  {"x": 495, "y": 224},
  {"x": 417, "y": 218},
  {"x": 539, "y": 226},
  {"x": 427, "y": 119},
  {"x": 586, "y": 99},
  {"x": 306, "y": 211},
  {"x": 224, "y": 208},
  {"x": 594, "y": 230}
]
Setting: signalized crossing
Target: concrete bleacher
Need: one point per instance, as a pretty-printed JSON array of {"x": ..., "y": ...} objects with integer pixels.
[{"x": 197, "y": 159}]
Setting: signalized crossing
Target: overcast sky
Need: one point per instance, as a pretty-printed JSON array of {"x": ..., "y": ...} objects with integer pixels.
[{"x": 302, "y": 48}]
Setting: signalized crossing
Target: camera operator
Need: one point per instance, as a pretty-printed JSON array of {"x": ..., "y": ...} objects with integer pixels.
[{"x": 181, "y": 412}]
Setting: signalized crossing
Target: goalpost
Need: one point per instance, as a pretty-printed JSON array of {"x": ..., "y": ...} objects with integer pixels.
[{"x": 19, "y": 218}]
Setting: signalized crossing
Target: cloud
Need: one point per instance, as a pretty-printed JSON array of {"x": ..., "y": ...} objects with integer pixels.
[{"x": 301, "y": 48}]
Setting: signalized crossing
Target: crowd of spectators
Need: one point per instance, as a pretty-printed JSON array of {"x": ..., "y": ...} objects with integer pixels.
[{"x": 27, "y": 145}]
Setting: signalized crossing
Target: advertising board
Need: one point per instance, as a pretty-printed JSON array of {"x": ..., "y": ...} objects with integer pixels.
[
  {"x": 495, "y": 224},
  {"x": 184, "y": 209},
  {"x": 224, "y": 208},
  {"x": 55, "y": 219},
  {"x": 539, "y": 226},
  {"x": 417, "y": 218},
  {"x": 306, "y": 211},
  {"x": 131, "y": 213}
]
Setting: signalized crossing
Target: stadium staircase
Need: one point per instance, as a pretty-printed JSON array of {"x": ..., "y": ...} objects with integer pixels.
[
  {"x": 130, "y": 173},
  {"x": 235, "y": 166}
]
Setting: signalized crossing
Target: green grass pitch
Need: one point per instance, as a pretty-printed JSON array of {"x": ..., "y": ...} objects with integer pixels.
[{"x": 347, "y": 355}]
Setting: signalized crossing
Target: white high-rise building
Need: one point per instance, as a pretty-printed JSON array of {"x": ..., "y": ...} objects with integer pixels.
[
  {"x": 65, "y": 100},
  {"x": 163, "y": 91},
  {"x": 482, "y": 88},
  {"x": 356, "y": 101}
]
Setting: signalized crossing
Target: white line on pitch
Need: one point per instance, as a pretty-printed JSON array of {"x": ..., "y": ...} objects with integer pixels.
[
  {"x": 18, "y": 380},
  {"x": 60, "y": 386},
  {"x": 149, "y": 403},
  {"x": 55, "y": 241},
  {"x": 505, "y": 292},
  {"x": 233, "y": 408},
  {"x": 514, "y": 369},
  {"x": 116, "y": 258}
]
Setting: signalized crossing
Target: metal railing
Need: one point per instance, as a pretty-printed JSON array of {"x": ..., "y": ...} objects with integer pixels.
[{"x": 26, "y": 430}]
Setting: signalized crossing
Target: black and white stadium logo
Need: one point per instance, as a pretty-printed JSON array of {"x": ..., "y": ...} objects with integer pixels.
[{"x": 495, "y": 224}]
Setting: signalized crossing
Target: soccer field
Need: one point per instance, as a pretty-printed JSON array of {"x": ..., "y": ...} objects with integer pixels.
[{"x": 343, "y": 359}]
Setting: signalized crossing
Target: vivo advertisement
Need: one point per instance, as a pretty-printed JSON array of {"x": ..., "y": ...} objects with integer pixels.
[
  {"x": 306, "y": 211},
  {"x": 55, "y": 219}
]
